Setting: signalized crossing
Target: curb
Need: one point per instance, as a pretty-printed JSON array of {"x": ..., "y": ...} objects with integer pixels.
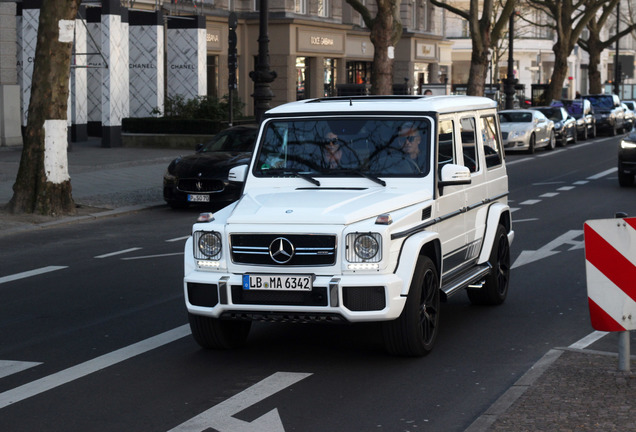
[{"x": 75, "y": 219}]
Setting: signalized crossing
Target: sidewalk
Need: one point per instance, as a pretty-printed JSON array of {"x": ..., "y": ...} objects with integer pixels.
[
  {"x": 104, "y": 180},
  {"x": 567, "y": 390}
]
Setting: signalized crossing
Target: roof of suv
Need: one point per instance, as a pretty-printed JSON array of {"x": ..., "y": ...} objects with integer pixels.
[{"x": 384, "y": 104}]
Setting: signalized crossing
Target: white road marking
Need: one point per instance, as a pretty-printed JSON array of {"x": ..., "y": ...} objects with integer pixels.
[
  {"x": 121, "y": 252},
  {"x": 603, "y": 174},
  {"x": 30, "y": 273},
  {"x": 529, "y": 256},
  {"x": 588, "y": 340},
  {"x": 152, "y": 256},
  {"x": 81, "y": 370},
  {"x": 525, "y": 220},
  {"x": 514, "y": 209},
  {"x": 566, "y": 188},
  {"x": 549, "y": 195},
  {"x": 580, "y": 182},
  {"x": 530, "y": 202},
  {"x": 8, "y": 367},
  {"x": 178, "y": 239},
  {"x": 220, "y": 417}
]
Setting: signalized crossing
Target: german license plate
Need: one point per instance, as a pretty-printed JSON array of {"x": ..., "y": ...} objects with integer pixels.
[
  {"x": 198, "y": 198},
  {"x": 277, "y": 282}
]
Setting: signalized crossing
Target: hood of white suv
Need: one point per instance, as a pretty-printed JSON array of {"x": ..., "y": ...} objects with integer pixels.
[{"x": 321, "y": 205}]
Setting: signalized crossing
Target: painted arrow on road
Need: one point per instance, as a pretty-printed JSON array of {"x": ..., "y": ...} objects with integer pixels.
[
  {"x": 529, "y": 256},
  {"x": 220, "y": 417}
]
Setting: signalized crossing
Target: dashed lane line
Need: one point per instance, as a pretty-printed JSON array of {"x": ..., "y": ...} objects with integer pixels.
[
  {"x": 121, "y": 252},
  {"x": 30, "y": 273}
]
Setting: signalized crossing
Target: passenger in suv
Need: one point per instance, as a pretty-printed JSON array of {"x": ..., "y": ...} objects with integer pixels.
[
  {"x": 419, "y": 214},
  {"x": 608, "y": 113}
]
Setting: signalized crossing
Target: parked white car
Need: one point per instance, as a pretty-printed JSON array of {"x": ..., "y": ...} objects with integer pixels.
[
  {"x": 526, "y": 129},
  {"x": 357, "y": 209}
]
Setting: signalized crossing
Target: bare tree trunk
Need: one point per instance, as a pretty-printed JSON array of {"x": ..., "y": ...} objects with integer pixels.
[
  {"x": 478, "y": 71},
  {"x": 382, "y": 68},
  {"x": 43, "y": 185},
  {"x": 594, "y": 74},
  {"x": 555, "y": 88}
]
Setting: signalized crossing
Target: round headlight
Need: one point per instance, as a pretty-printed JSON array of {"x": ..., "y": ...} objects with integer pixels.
[
  {"x": 210, "y": 244},
  {"x": 366, "y": 246}
]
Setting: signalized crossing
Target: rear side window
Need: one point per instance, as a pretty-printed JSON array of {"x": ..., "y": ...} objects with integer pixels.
[
  {"x": 490, "y": 137},
  {"x": 469, "y": 149},
  {"x": 445, "y": 150}
]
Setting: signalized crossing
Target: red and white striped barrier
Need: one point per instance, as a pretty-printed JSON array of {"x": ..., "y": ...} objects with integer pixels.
[{"x": 610, "y": 264}]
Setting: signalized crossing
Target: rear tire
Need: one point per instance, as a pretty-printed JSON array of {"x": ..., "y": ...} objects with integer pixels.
[
  {"x": 552, "y": 142},
  {"x": 214, "y": 333},
  {"x": 414, "y": 332},
  {"x": 495, "y": 289}
]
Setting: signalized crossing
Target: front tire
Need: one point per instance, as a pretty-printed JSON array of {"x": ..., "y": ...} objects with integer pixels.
[
  {"x": 495, "y": 289},
  {"x": 532, "y": 144},
  {"x": 414, "y": 332},
  {"x": 214, "y": 333}
]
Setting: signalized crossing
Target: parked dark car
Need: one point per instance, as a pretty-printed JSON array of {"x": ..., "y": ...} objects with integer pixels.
[
  {"x": 627, "y": 159},
  {"x": 583, "y": 113},
  {"x": 564, "y": 123},
  {"x": 608, "y": 112},
  {"x": 202, "y": 178}
]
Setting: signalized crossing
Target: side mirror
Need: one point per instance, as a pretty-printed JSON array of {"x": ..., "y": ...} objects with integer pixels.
[
  {"x": 238, "y": 174},
  {"x": 454, "y": 175}
]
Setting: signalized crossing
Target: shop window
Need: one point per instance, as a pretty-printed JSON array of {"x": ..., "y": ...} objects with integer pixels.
[{"x": 300, "y": 78}]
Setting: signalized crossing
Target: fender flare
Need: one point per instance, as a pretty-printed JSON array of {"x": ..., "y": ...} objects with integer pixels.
[
  {"x": 411, "y": 251},
  {"x": 495, "y": 213}
]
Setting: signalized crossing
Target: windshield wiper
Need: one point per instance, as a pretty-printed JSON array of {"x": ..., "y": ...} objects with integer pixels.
[
  {"x": 362, "y": 174},
  {"x": 291, "y": 171}
]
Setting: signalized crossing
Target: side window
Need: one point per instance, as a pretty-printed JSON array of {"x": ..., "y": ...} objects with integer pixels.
[
  {"x": 469, "y": 149},
  {"x": 490, "y": 137},
  {"x": 445, "y": 150}
]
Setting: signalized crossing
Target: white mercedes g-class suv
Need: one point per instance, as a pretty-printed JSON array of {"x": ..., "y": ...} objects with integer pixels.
[{"x": 357, "y": 209}]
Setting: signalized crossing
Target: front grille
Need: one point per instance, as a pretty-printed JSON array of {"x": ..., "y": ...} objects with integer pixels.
[
  {"x": 200, "y": 185},
  {"x": 285, "y": 317},
  {"x": 316, "y": 297},
  {"x": 309, "y": 249},
  {"x": 504, "y": 135},
  {"x": 359, "y": 299}
]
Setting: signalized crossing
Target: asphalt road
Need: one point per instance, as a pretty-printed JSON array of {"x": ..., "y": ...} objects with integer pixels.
[{"x": 97, "y": 338}]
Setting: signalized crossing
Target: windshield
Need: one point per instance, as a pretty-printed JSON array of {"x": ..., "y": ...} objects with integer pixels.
[
  {"x": 602, "y": 102},
  {"x": 240, "y": 139},
  {"x": 515, "y": 117},
  {"x": 552, "y": 113},
  {"x": 345, "y": 147}
]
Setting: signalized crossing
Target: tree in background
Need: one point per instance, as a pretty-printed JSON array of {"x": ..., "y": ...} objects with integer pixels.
[
  {"x": 43, "y": 185},
  {"x": 594, "y": 45},
  {"x": 386, "y": 31},
  {"x": 568, "y": 19},
  {"x": 483, "y": 33}
]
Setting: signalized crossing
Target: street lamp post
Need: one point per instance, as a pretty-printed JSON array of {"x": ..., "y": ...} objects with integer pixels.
[
  {"x": 509, "y": 82},
  {"x": 617, "y": 72},
  {"x": 262, "y": 75}
]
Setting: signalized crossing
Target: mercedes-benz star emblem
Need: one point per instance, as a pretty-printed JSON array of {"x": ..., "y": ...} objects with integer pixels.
[{"x": 281, "y": 250}]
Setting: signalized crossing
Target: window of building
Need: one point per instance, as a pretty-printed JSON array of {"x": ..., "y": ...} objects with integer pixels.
[
  {"x": 300, "y": 78},
  {"x": 300, "y": 6},
  {"x": 358, "y": 72},
  {"x": 323, "y": 8},
  {"x": 329, "y": 67}
]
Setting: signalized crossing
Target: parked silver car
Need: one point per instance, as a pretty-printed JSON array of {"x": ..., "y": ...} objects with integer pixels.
[{"x": 526, "y": 129}]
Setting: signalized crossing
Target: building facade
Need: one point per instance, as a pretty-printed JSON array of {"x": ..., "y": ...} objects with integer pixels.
[{"x": 168, "y": 48}]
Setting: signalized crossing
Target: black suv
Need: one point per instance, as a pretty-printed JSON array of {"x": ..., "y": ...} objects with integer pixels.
[
  {"x": 608, "y": 112},
  {"x": 627, "y": 160}
]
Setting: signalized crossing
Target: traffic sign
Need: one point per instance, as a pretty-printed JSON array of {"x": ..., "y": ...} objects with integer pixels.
[{"x": 610, "y": 264}]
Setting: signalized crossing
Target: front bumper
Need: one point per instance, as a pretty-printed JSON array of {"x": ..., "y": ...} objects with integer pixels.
[{"x": 348, "y": 298}]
